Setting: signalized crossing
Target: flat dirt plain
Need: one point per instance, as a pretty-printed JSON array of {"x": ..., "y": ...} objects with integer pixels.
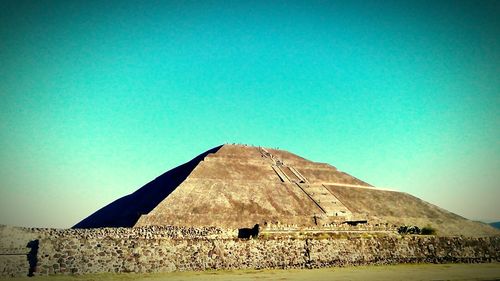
[{"x": 435, "y": 272}]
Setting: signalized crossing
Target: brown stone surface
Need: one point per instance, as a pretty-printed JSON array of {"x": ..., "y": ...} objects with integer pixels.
[
  {"x": 236, "y": 186},
  {"x": 404, "y": 209}
]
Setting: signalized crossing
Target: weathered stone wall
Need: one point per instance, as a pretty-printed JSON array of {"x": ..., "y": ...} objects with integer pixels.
[
  {"x": 340, "y": 226},
  {"x": 25, "y": 249},
  {"x": 402, "y": 249},
  {"x": 14, "y": 250},
  {"x": 13, "y": 265},
  {"x": 157, "y": 255},
  {"x": 145, "y": 250}
]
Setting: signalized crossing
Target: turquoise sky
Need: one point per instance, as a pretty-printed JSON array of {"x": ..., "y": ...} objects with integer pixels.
[{"x": 97, "y": 98}]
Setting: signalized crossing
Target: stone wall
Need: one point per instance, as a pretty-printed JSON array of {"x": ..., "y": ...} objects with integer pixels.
[
  {"x": 145, "y": 250},
  {"x": 14, "y": 251}
]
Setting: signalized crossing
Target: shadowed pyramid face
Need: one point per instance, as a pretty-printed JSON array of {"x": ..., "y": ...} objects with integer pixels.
[{"x": 238, "y": 186}]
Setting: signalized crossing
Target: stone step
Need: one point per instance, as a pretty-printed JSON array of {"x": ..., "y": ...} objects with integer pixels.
[
  {"x": 288, "y": 172},
  {"x": 330, "y": 204},
  {"x": 298, "y": 175},
  {"x": 280, "y": 173}
]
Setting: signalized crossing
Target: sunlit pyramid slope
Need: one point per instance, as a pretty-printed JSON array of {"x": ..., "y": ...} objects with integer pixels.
[{"x": 238, "y": 186}]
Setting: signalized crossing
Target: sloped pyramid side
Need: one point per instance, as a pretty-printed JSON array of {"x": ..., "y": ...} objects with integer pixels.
[
  {"x": 400, "y": 208},
  {"x": 240, "y": 185},
  {"x": 125, "y": 212},
  {"x": 237, "y": 186}
]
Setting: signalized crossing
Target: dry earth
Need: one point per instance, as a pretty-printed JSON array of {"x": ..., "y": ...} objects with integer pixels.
[{"x": 414, "y": 272}]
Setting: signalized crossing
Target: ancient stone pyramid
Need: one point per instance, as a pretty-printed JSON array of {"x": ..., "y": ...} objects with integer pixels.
[{"x": 238, "y": 186}]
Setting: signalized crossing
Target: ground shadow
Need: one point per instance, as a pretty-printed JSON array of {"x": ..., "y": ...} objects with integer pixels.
[{"x": 125, "y": 211}]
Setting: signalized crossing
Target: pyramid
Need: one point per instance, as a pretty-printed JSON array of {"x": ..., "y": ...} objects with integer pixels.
[{"x": 236, "y": 186}]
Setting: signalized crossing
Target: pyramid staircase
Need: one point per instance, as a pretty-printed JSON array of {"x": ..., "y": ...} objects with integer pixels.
[
  {"x": 326, "y": 201},
  {"x": 318, "y": 193}
]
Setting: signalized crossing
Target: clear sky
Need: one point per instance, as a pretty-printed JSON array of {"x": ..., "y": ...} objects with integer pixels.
[{"x": 97, "y": 98}]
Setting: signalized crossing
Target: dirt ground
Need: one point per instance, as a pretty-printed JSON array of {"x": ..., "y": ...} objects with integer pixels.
[{"x": 435, "y": 272}]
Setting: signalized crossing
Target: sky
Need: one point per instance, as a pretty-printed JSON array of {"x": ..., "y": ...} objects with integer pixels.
[{"x": 98, "y": 98}]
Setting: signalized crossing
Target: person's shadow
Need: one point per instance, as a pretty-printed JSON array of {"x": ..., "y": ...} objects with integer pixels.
[{"x": 32, "y": 256}]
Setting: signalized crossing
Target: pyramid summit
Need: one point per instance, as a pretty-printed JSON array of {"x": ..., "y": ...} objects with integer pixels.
[{"x": 237, "y": 186}]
